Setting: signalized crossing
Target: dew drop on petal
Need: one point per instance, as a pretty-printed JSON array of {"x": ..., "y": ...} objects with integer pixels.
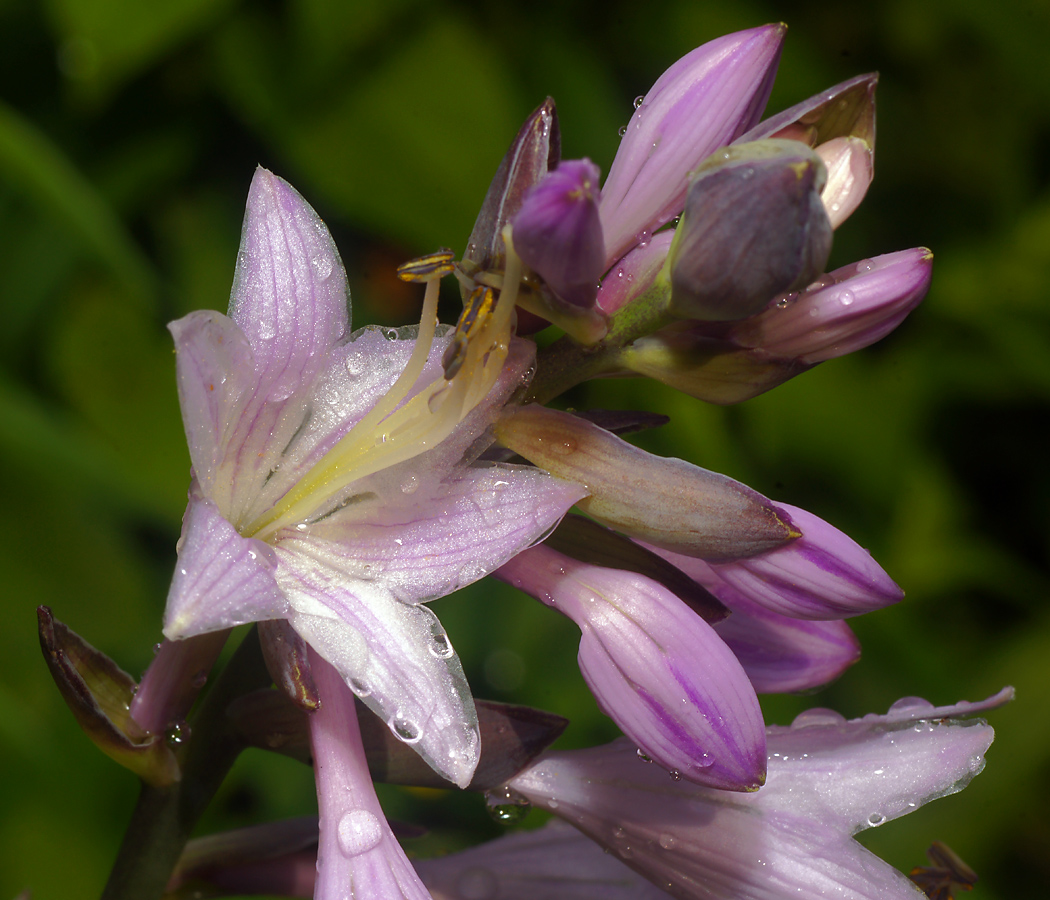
[
  {"x": 876, "y": 819},
  {"x": 667, "y": 841},
  {"x": 846, "y": 298},
  {"x": 476, "y": 883},
  {"x": 440, "y": 646},
  {"x": 643, "y": 756},
  {"x": 817, "y": 716},
  {"x": 865, "y": 265},
  {"x": 910, "y": 704},
  {"x": 359, "y": 831},
  {"x": 405, "y": 729},
  {"x": 322, "y": 266},
  {"x": 639, "y": 100},
  {"x": 359, "y": 687},
  {"x": 675, "y": 775},
  {"x": 622, "y": 130}
]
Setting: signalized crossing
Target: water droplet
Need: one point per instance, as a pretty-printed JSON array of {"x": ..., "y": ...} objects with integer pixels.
[
  {"x": 359, "y": 687},
  {"x": 252, "y": 554},
  {"x": 639, "y": 100},
  {"x": 156, "y": 648},
  {"x": 477, "y": 883},
  {"x": 675, "y": 775},
  {"x": 786, "y": 301},
  {"x": 876, "y": 819},
  {"x": 747, "y": 173},
  {"x": 667, "y": 841},
  {"x": 405, "y": 729},
  {"x": 200, "y": 679},
  {"x": 553, "y": 804},
  {"x": 322, "y": 266},
  {"x": 507, "y": 805},
  {"x": 359, "y": 831},
  {"x": 865, "y": 265},
  {"x": 390, "y": 334},
  {"x": 439, "y": 642},
  {"x": 910, "y": 704},
  {"x": 643, "y": 756},
  {"x": 622, "y": 131},
  {"x": 817, "y": 716},
  {"x": 846, "y": 298},
  {"x": 178, "y": 733},
  {"x": 818, "y": 285}
]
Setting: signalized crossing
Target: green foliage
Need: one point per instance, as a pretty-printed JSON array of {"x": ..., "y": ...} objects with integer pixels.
[{"x": 128, "y": 134}]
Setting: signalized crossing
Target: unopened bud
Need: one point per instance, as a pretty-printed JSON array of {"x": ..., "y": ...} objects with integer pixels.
[
  {"x": 558, "y": 234},
  {"x": 666, "y": 502},
  {"x": 754, "y": 226}
]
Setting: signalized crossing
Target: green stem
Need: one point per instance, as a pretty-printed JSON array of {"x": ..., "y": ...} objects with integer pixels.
[{"x": 165, "y": 817}]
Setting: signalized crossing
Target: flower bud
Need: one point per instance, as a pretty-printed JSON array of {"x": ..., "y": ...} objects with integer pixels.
[
  {"x": 557, "y": 232},
  {"x": 666, "y": 502},
  {"x": 754, "y": 226}
]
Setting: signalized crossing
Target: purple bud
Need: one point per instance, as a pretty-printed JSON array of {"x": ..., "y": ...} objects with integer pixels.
[
  {"x": 754, "y": 226},
  {"x": 655, "y": 667},
  {"x": 702, "y": 102},
  {"x": 635, "y": 274},
  {"x": 558, "y": 234},
  {"x": 823, "y": 575},
  {"x": 844, "y": 311}
]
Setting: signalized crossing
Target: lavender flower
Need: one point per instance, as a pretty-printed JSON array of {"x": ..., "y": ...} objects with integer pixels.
[
  {"x": 827, "y": 779},
  {"x": 332, "y": 480}
]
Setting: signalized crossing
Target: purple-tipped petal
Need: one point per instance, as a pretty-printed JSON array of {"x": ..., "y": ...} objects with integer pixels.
[
  {"x": 655, "y": 667},
  {"x": 844, "y": 311},
  {"x": 221, "y": 579},
  {"x": 667, "y": 502},
  {"x": 782, "y": 654},
  {"x": 558, "y": 233},
  {"x": 396, "y": 656},
  {"x": 358, "y": 855},
  {"x": 554, "y": 862},
  {"x": 635, "y": 274},
  {"x": 702, "y": 102},
  {"x": 289, "y": 292}
]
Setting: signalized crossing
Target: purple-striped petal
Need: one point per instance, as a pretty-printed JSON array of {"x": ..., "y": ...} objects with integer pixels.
[
  {"x": 782, "y": 654},
  {"x": 635, "y": 274},
  {"x": 221, "y": 579},
  {"x": 705, "y": 100},
  {"x": 396, "y": 656},
  {"x": 850, "y": 163},
  {"x": 843, "y": 311},
  {"x": 358, "y": 855},
  {"x": 655, "y": 667},
  {"x": 554, "y": 862},
  {"x": 289, "y": 292}
]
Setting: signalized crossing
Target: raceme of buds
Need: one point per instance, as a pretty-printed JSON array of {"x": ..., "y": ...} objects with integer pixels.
[
  {"x": 754, "y": 226},
  {"x": 704, "y": 101},
  {"x": 655, "y": 667},
  {"x": 665, "y": 502},
  {"x": 558, "y": 234}
]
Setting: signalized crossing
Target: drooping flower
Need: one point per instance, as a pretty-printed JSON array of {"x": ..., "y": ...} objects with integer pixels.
[
  {"x": 828, "y": 778},
  {"x": 333, "y": 482}
]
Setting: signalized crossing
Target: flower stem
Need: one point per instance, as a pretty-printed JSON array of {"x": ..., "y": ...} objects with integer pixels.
[{"x": 164, "y": 817}]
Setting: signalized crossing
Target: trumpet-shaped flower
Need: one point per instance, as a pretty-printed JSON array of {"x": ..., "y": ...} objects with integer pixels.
[
  {"x": 827, "y": 779},
  {"x": 333, "y": 483}
]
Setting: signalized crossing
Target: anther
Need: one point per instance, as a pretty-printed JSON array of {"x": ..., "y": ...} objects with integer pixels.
[{"x": 427, "y": 268}]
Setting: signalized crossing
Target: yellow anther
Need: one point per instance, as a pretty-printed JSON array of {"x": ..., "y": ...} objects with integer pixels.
[
  {"x": 475, "y": 316},
  {"x": 427, "y": 268}
]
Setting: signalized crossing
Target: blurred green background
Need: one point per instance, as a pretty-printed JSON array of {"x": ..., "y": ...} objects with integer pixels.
[{"x": 128, "y": 136}]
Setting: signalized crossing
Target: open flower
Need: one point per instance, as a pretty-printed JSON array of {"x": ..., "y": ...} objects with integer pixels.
[
  {"x": 332, "y": 476},
  {"x": 827, "y": 779}
]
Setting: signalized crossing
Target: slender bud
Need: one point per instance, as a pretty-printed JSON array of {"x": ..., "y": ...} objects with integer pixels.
[
  {"x": 666, "y": 502},
  {"x": 558, "y": 234},
  {"x": 754, "y": 226}
]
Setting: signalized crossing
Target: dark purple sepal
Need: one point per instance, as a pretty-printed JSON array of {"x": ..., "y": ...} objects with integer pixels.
[
  {"x": 534, "y": 151},
  {"x": 511, "y": 737},
  {"x": 287, "y": 661},
  {"x": 754, "y": 226},
  {"x": 558, "y": 234},
  {"x": 99, "y": 694}
]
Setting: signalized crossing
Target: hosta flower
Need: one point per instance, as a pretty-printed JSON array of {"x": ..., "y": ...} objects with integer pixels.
[
  {"x": 332, "y": 476},
  {"x": 827, "y": 779}
]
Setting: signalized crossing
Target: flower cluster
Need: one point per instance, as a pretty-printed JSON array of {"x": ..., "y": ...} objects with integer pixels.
[{"x": 341, "y": 480}]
